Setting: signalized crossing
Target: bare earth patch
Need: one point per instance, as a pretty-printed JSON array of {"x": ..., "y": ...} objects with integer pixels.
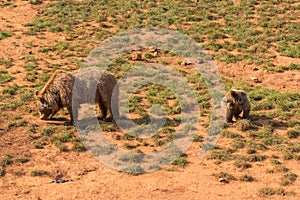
[{"x": 287, "y": 80}]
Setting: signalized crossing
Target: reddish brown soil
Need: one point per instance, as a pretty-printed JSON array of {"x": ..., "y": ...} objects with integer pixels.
[
  {"x": 287, "y": 80},
  {"x": 89, "y": 179}
]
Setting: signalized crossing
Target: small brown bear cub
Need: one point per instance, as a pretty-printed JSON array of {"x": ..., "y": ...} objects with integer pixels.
[
  {"x": 58, "y": 93},
  {"x": 237, "y": 104}
]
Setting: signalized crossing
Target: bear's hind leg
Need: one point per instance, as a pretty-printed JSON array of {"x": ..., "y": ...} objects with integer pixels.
[{"x": 246, "y": 113}]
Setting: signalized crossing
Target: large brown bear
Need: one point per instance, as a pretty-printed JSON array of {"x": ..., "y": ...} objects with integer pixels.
[
  {"x": 236, "y": 103},
  {"x": 90, "y": 83}
]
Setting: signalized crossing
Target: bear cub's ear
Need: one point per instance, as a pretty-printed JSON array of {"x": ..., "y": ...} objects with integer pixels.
[{"x": 234, "y": 94}]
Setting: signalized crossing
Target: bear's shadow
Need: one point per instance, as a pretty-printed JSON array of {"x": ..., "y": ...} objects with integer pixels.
[{"x": 261, "y": 121}]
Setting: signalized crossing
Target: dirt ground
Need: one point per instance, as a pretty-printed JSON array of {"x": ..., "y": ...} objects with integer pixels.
[{"x": 89, "y": 179}]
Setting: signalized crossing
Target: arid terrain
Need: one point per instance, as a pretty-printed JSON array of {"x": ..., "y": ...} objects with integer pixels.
[{"x": 256, "y": 47}]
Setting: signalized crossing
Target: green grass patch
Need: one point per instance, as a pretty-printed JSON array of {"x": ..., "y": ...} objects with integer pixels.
[
  {"x": 293, "y": 134},
  {"x": 5, "y": 34},
  {"x": 288, "y": 179},
  {"x": 181, "y": 161},
  {"x": 7, "y": 62},
  {"x": 133, "y": 170},
  {"x": 256, "y": 158},
  {"x": 242, "y": 164},
  {"x": 102, "y": 150},
  {"x": 224, "y": 175},
  {"x": 222, "y": 154},
  {"x": 246, "y": 178},
  {"x": 267, "y": 191},
  {"x": 290, "y": 50},
  {"x": 5, "y": 77}
]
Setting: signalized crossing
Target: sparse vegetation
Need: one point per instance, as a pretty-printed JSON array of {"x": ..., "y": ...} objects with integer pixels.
[
  {"x": 244, "y": 125},
  {"x": 5, "y": 77},
  {"x": 39, "y": 173},
  {"x": 256, "y": 158},
  {"x": 242, "y": 164},
  {"x": 267, "y": 191},
  {"x": 7, "y": 160},
  {"x": 22, "y": 160},
  {"x": 246, "y": 178},
  {"x": 292, "y": 134},
  {"x": 197, "y": 138},
  {"x": 224, "y": 175},
  {"x": 6, "y": 62},
  {"x": 133, "y": 170},
  {"x": 5, "y": 34},
  {"x": 222, "y": 154},
  {"x": 39, "y": 145},
  {"x": 181, "y": 161},
  {"x": 288, "y": 178},
  {"x": 102, "y": 150},
  {"x": 2, "y": 171},
  {"x": 34, "y": 2}
]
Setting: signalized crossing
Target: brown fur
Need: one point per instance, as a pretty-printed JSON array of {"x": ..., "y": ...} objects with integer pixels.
[
  {"x": 50, "y": 81},
  {"x": 236, "y": 103},
  {"x": 58, "y": 93}
]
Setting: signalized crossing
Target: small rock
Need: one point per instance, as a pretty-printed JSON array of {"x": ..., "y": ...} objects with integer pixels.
[
  {"x": 60, "y": 181},
  {"x": 117, "y": 137},
  {"x": 153, "y": 49},
  {"x": 200, "y": 61},
  {"x": 223, "y": 180},
  {"x": 185, "y": 63},
  {"x": 137, "y": 57},
  {"x": 255, "y": 79}
]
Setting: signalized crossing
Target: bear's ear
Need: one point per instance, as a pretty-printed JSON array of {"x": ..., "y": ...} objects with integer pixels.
[
  {"x": 38, "y": 97},
  {"x": 234, "y": 94}
]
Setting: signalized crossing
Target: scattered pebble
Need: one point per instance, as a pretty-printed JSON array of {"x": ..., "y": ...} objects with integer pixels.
[
  {"x": 223, "y": 180},
  {"x": 255, "y": 79},
  {"x": 185, "y": 63},
  {"x": 60, "y": 181}
]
